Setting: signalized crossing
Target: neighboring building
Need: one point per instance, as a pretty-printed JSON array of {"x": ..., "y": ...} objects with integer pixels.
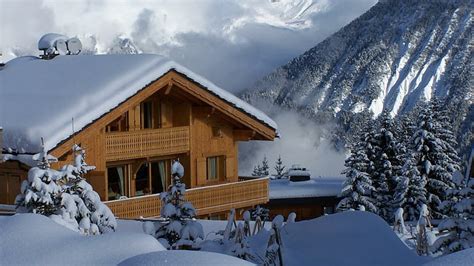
[
  {"x": 308, "y": 199},
  {"x": 133, "y": 114}
]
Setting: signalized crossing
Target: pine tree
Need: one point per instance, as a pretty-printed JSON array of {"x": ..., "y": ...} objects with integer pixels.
[
  {"x": 428, "y": 149},
  {"x": 257, "y": 170},
  {"x": 40, "y": 193},
  {"x": 358, "y": 187},
  {"x": 444, "y": 131},
  {"x": 81, "y": 207},
  {"x": 279, "y": 167},
  {"x": 386, "y": 159},
  {"x": 265, "y": 168},
  {"x": 457, "y": 230},
  {"x": 410, "y": 192},
  {"x": 178, "y": 228}
]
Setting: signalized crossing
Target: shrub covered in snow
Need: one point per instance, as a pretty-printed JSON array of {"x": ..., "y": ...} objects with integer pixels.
[
  {"x": 65, "y": 196},
  {"x": 40, "y": 193},
  {"x": 457, "y": 230},
  {"x": 81, "y": 207},
  {"x": 178, "y": 228}
]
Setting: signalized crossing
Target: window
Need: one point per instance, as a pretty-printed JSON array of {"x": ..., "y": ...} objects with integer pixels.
[
  {"x": 119, "y": 124},
  {"x": 142, "y": 181},
  {"x": 215, "y": 168},
  {"x": 158, "y": 175},
  {"x": 116, "y": 179},
  {"x": 147, "y": 114},
  {"x": 212, "y": 168}
]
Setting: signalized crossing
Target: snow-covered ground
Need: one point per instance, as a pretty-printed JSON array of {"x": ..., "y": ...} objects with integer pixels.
[
  {"x": 31, "y": 239},
  {"x": 183, "y": 257},
  {"x": 350, "y": 238}
]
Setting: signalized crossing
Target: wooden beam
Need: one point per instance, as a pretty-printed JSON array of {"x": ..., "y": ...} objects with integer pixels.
[
  {"x": 168, "y": 88},
  {"x": 244, "y": 134}
]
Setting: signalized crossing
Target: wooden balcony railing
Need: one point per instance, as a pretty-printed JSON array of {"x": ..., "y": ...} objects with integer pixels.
[
  {"x": 147, "y": 142},
  {"x": 206, "y": 200}
]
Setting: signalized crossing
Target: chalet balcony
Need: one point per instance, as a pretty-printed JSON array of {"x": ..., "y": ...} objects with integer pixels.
[
  {"x": 206, "y": 200},
  {"x": 146, "y": 143}
]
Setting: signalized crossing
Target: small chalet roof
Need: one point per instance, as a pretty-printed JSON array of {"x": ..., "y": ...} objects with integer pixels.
[
  {"x": 38, "y": 98},
  {"x": 313, "y": 188}
]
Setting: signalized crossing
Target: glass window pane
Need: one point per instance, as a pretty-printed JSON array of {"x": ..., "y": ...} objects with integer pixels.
[
  {"x": 116, "y": 182},
  {"x": 141, "y": 181},
  {"x": 212, "y": 168}
]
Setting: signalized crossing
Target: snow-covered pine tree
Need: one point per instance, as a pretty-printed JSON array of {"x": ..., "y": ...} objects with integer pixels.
[
  {"x": 444, "y": 131},
  {"x": 178, "y": 228},
  {"x": 81, "y": 207},
  {"x": 386, "y": 159},
  {"x": 40, "y": 192},
  {"x": 457, "y": 229},
  {"x": 431, "y": 159},
  {"x": 279, "y": 167},
  {"x": 358, "y": 187},
  {"x": 410, "y": 192},
  {"x": 265, "y": 167}
]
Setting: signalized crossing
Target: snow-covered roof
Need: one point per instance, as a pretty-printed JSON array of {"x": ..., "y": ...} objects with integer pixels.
[
  {"x": 38, "y": 98},
  {"x": 313, "y": 188}
]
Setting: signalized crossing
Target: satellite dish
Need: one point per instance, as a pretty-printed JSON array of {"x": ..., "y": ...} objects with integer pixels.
[
  {"x": 61, "y": 47},
  {"x": 74, "y": 46}
]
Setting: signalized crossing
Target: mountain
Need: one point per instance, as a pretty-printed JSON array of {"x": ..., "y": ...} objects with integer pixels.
[{"x": 394, "y": 55}]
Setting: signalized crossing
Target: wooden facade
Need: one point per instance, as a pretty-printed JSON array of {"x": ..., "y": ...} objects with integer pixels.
[{"x": 133, "y": 145}]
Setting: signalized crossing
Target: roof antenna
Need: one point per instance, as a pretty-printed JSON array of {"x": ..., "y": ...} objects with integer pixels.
[{"x": 73, "y": 135}]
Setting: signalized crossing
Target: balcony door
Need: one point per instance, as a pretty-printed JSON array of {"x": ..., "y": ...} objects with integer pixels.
[
  {"x": 117, "y": 178},
  {"x": 159, "y": 173}
]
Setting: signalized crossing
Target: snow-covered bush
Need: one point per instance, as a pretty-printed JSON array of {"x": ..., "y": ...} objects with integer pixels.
[
  {"x": 178, "y": 228},
  {"x": 40, "y": 193},
  {"x": 422, "y": 243},
  {"x": 260, "y": 215},
  {"x": 65, "y": 196},
  {"x": 241, "y": 248},
  {"x": 81, "y": 207},
  {"x": 273, "y": 254},
  {"x": 457, "y": 230}
]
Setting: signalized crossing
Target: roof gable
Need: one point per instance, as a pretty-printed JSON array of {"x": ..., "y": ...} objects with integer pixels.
[{"x": 40, "y": 97}]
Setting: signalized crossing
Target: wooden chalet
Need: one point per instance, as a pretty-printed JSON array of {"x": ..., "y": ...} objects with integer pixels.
[{"x": 133, "y": 140}]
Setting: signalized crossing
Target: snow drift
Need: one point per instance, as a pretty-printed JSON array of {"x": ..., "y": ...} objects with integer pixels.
[
  {"x": 183, "y": 257},
  {"x": 31, "y": 239},
  {"x": 349, "y": 238}
]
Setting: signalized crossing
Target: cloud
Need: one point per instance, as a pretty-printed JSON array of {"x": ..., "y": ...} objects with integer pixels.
[
  {"x": 231, "y": 42},
  {"x": 302, "y": 142}
]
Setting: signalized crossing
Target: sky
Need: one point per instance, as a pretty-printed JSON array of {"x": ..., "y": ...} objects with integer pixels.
[{"x": 232, "y": 43}]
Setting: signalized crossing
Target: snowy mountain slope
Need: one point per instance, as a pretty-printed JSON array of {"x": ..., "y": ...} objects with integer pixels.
[{"x": 397, "y": 53}]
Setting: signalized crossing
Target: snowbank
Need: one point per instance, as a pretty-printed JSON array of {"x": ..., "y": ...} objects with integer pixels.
[
  {"x": 83, "y": 87},
  {"x": 31, "y": 239},
  {"x": 349, "y": 238},
  {"x": 183, "y": 257},
  {"x": 461, "y": 258}
]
